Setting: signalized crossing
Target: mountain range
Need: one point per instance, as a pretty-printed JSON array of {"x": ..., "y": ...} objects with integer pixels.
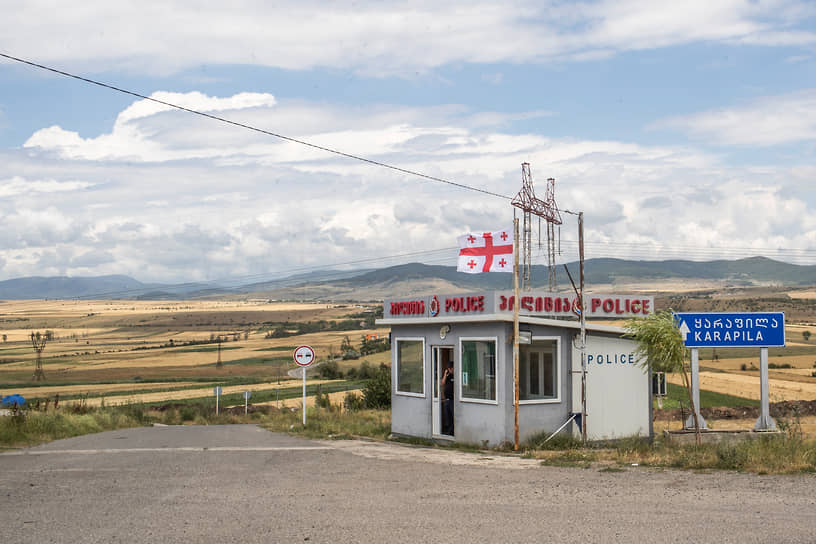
[{"x": 417, "y": 278}]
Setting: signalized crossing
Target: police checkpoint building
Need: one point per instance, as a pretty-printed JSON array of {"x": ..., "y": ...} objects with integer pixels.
[{"x": 473, "y": 334}]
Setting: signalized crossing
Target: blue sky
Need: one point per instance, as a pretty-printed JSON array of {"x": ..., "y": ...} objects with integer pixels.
[{"x": 682, "y": 130}]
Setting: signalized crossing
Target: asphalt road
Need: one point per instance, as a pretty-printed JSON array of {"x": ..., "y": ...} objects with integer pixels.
[{"x": 243, "y": 484}]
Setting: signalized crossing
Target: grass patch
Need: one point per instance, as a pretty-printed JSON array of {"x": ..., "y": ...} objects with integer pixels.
[
  {"x": 30, "y": 428},
  {"x": 323, "y": 423},
  {"x": 279, "y": 348},
  {"x": 33, "y": 428},
  {"x": 767, "y": 455},
  {"x": 581, "y": 458},
  {"x": 677, "y": 395},
  {"x": 202, "y": 349},
  {"x": 250, "y": 361}
]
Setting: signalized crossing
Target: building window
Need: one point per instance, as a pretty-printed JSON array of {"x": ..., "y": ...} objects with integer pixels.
[
  {"x": 538, "y": 371},
  {"x": 410, "y": 365},
  {"x": 478, "y": 370}
]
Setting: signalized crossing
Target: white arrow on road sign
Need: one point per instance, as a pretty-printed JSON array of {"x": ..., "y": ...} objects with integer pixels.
[{"x": 684, "y": 330}]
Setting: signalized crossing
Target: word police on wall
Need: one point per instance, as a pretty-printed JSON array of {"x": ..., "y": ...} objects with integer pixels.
[{"x": 533, "y": 304}]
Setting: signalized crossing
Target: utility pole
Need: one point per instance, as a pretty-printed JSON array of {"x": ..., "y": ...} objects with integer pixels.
[
  {"x": 583, "y": 326},
  {"x": 516, "y": 333}
]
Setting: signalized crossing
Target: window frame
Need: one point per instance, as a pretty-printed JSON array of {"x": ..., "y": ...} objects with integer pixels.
[
  {"x": 556, "y": 365},
  {"x": 495, "y": 340},
  {"x": 396, "y": 364}
]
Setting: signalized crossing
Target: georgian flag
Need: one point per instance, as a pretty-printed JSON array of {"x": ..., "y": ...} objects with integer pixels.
[{"x": 486, "y": 252}]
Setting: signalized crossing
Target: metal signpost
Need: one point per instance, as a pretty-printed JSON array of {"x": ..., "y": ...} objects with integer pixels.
[
  {"x": 304, "y": 356},
  {"x": 217, "y": 392},
  {"x": 733, "y": 330},
  {"x": 247, "y": 394}
]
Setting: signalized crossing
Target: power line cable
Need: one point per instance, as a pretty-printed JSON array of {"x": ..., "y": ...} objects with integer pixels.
[{"x": 256, "y": 129}]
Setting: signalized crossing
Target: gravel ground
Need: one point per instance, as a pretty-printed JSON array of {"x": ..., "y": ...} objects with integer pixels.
[{"x": 243, "y": 484}]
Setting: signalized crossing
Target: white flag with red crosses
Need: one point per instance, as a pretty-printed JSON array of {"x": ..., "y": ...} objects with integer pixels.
[{"x": 486, "y": 252}]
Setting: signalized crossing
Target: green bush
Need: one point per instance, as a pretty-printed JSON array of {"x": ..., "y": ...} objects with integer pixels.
[
  {"x": 377, "y": 391},
  {"x": 353, "y": 402},
  {"x": 322, "y": 399},
  {"x": 329, "y": 370}
]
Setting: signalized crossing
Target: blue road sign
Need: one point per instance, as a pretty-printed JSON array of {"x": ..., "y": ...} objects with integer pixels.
[{"x": 732, "y": 330}]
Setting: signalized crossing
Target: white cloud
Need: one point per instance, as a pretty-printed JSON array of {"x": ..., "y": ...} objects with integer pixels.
[
  {"x": 18, "y": 185},
  {"x": 766, "y": 121},
  {"x": 169, "y": 201},
  {"x": 383, "y": 39}
]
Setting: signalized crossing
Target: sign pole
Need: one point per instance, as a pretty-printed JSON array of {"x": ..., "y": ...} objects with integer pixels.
[
  {"x": 304, "y": 356},
  {"x": 695, "y": 391},
  {"x": 515, "y": 335},
  {"x": 765, "y": 421},
  {"x": 304, "y": 395}
]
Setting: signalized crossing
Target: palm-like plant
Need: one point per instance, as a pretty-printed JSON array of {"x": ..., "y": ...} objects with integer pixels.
[{"x": 660, "y": 346}]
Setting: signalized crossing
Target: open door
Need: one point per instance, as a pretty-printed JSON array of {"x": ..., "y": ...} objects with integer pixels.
[{"x": 442, "y": 409}]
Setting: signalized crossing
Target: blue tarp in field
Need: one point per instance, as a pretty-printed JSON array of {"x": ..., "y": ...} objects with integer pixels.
[{"x": 11, "y": 400}]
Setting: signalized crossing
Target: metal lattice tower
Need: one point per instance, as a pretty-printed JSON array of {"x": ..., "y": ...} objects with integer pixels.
[
  {"x": 38, "y": 341},
  {"x": 545, "y": 209}
]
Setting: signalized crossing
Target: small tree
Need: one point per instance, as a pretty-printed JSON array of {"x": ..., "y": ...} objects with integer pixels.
[
  {"x": 377, "y": 392},
  {"x": 347, "y": 350},
  {"x": 660, "y": 345},
  {"x": 329, "y": 370},
  {"x": 805, "y": 335}
]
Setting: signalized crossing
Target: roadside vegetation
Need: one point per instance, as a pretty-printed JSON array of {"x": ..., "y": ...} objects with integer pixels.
[
  {"x": 786, "y": 453},
  {"x": 367, "y": 414},
  {"x": 171, "y": 348}
]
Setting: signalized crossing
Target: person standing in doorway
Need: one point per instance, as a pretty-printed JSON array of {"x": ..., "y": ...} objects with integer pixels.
[{"x": 447, "y": 400}]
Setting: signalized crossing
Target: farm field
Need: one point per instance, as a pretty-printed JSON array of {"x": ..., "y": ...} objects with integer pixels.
[
  {"x": 164, "y": 351},
  {"x": 155, "y": 351}
]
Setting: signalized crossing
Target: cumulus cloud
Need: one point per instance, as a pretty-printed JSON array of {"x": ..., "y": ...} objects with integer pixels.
[
  {"x": 18, "y": 185},
  {"x": 385, "y": 39},
  {"x": 179, "y": 201},
  {"x": 767, "y": 121}
]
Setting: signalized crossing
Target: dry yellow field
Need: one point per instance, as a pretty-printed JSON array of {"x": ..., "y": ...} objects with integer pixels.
[
  {"x": 47, "y": 391},
  {"x": 169, "y": 396},
  {"x": 748, "y": 386},
  {"x": 96, "y": 345},
  {"x": 806, "y": 294},
  {"x": 808, "y": 425}
]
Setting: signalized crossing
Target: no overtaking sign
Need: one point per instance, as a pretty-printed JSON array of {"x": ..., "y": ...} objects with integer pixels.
[{"x": 304, "y": 355}]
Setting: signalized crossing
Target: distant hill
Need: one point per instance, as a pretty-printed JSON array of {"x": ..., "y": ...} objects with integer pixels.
[
  {"x": 416, "y": 278},
  {"x": 36, "y": 287},
  {"x": 609, "y": 271},
  {"x": 101, "y": 287},
  {"x": 748, "y": 271}
]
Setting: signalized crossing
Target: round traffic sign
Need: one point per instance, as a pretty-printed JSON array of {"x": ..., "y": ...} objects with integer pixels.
[{"x": 304, "y": 355}]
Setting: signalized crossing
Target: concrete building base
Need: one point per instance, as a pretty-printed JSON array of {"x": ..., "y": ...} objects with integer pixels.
[{"x": 715, "y": 437}]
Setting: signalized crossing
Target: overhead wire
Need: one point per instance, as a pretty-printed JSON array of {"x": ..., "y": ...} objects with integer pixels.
[
  {"x": 633, "y": 248},
  {"x": 256, "y": 129}
]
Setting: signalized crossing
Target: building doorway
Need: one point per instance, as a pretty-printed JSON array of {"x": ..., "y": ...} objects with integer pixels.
[{"x": 443, "y": 391}]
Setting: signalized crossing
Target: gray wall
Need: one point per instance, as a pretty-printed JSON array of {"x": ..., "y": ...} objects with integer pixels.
[
  {"x": 477, "y": 422},
  {"x": 535, "y": 418}
]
